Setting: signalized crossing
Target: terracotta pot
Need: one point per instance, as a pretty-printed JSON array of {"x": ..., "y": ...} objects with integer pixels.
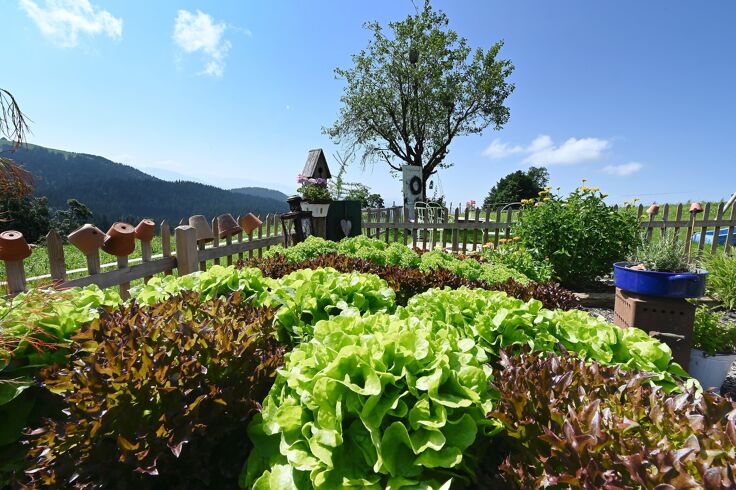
[
  {"x": 120, "y": 240},
  {"x": 87, "y": 238},
  {"x": 653, "y": 209},
  {"x": 13, "y": 246},
  {"x": 227, "y": 226},
  {"x": 204, "y": 230},
  {"x": 146, "y": 230},
  {"x": 696, "y": 208},
  {"x": 250, "y": 222}
]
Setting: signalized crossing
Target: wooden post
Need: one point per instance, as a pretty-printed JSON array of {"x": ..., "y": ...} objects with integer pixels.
[
  {"x": 216, "y": 240},
  {"x": 678, "y": 218},
  {"x": 731, "y": 226},
  {"x": 717, "y": 230},
  {"x": 240, "y": 239},
  {"x": 649, "y": 229},
  {"x": 186, "y": 250},
  {"x": 475, "y": 231},
  {"x": 146, "y": 255},
  {"x": 703, "y": 229},
  {"x": 268, "y": 228},
  {"x": 166, "y": 242},
  {"x": 465, "y": 232},
  {"x": 688, "y": 237},
  {"x": 16, "y": 276},
  {"x": 55, "y": 249},
  {"x": 665, "y": 218},
  {"x": 124, "y": 286},
  {"x": 485, "y": 230},
  {"x": 260, "y": 235},
  {"x": 455, "y": 230}
]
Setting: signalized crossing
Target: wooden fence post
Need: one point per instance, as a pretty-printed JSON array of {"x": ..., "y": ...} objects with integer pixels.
[
  {"x": 55, "y": 249},
  {"x": 216, "y": 240},
  {"x": 16, "y": 276},
  {"x": 125, "y": 286},
  {"x": 166, "y": 242},
  {"x": 186, "y": 250}
]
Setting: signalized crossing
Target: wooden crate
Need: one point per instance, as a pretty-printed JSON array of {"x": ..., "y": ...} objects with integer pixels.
[{"x": 668, "y": 319}]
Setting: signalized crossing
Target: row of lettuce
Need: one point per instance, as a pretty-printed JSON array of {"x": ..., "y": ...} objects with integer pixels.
[{"x": 338, "y": 382}]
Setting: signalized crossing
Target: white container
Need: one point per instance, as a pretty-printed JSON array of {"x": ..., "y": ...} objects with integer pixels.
[
  {"x": 710, "y": 370},
  {"x": 318, "y": 210}
]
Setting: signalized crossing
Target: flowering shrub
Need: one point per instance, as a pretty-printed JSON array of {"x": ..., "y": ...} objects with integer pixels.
[
  {"x": 579, "y": 234},
  {"x": 313, "y": 189}
]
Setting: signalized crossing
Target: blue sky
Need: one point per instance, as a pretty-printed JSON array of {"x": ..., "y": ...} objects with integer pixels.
[{"x": 637, "y": 97}]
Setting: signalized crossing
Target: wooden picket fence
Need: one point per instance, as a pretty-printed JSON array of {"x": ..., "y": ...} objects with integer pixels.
[
  {"x": 187, "y": 256},
  {"x": 471, "y": 229}
]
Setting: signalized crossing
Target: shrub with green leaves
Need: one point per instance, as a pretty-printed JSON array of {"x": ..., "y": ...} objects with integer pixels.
[
  {"x": 158, "y": 396},
  {"x": 307, "y": 296},
  {"x": 579, "y": 234},
  {"x": 721, "y": 281},
  {"x": 516, "y": 256},
  {"x": 496, "y": 321},
  {"x": 711, "y": 335},
  {"x": 377, "y": 402},
  {"x": 312, "y": 247},
  {"x": 578, "y": 424}
]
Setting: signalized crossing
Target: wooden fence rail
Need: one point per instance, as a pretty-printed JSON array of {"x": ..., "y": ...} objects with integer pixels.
[
  {"x": 471, "y": 229},
  {"x": 179, "y": 258}
]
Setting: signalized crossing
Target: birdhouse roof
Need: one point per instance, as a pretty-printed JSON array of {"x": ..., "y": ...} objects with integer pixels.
[{"x": 316, "y": 165}]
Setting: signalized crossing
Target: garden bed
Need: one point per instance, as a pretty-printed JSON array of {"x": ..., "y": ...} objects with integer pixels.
[{"x": 356, "y": 363}]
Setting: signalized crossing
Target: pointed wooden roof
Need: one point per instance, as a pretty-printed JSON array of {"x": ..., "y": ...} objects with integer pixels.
[{"x": 316, "y": 165}]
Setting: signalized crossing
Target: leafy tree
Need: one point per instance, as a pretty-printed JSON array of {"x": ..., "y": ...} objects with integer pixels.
[
  {"x": 517, "y": 186},
  {"x": 28, "y": 215},
  {"x": 408, "y": 95},
  {"x": 362, "y": 193},
  {"x": 67, "y": 220}
]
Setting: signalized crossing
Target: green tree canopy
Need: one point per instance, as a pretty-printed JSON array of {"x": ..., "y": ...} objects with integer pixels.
[
  {"x": 517, "y": 186},
  {"x": 410, "y": 93}
]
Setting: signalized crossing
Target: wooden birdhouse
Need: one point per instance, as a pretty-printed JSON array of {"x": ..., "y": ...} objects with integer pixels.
[{"x": 316, "y": 166}]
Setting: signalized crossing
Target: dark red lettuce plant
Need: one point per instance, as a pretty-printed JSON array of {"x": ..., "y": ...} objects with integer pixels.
[
  {"x": 158, "y": 397},
  {"x": 410, "y": 281},
  {"x": 572, "y": 423}
]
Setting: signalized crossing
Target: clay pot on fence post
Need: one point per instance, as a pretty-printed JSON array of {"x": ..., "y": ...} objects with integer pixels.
[
  {"x": 120, "y": 240},
  {"x": 13, "y": 250},
  {"x": 87, "y": 238},
  {"x": 250, "y": 222},
  {"x": 227, "y": 226}
]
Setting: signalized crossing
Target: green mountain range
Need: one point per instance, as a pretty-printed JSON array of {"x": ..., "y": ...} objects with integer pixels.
[{"x": 117, "y": 192}]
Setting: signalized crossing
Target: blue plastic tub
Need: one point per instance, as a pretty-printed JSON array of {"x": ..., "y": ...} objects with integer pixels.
[
  {"x": 722, "y": 236},
  {"x": 663, "y": 284}
]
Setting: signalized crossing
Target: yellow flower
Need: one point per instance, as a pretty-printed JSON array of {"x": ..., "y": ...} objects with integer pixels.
[
  {"x": 595, "y": 189},
  {"x": 547, "y": 187},
  {"x": 547, "y": 199},
  {"x": 517, "y": 238},
  {"x": 541, "y": 193},
  {"x": 585, "y": 188},
  {"x": 636, "y": 199}
]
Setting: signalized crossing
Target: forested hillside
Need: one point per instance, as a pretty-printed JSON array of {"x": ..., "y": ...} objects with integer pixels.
[{"x": 114, "y": 191}]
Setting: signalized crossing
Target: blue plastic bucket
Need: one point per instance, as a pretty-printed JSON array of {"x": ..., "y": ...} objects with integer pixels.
[{"x": 663, "y": 284}]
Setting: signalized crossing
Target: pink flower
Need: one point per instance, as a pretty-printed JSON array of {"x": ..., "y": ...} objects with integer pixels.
[{"x": 300, "y": 179}]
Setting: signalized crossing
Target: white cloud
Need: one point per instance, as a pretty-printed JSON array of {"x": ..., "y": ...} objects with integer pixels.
[
  {"x": 543, "y": 151},
  {"x": 63, "y": 21},
  {"x": 198, "y": 32},
  {"x": 623, "y": 170}
]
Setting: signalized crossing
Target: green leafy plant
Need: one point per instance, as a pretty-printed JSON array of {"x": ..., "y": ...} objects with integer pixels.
[
  {"x": 666, "y": 254},
  {"x": 579, "y": 234},
  {"x": 711, "y": 335},
  {"x": 721, "y": 282},
  {"x": 516, "y": 256},
  {"x": 496, "y": 321},
  {"x": 158, "y": 396},
  {"x": 373, "y": 401},
  {"x": 578, "y": 424},
  {"x": 305, "y": 297},
  {"x": 470, "y": 268},
  {"x": 308, "y": 249},
  {"x": 409, "y": 281}
]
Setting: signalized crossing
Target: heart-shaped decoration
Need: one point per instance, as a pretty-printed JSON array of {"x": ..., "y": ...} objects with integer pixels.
[{"x": 346, "y": 226}]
